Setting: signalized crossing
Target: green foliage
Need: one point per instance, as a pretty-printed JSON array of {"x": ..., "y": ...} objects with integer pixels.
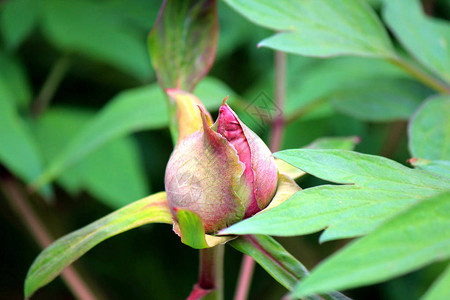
[
  {"x": 183, "y": 42},
  {"x": 14, "y": 86},
  {"x": 384, "y": 100},
  {"x": 276, "y": 261},
  {"x": 410, "y": 240},
  {"x": 20, "y": 154},
  {"x": 98, "y": 34},
  {"x": 113, "y": 172},
  {"x": 319, "y": 28},
  {"x": 376, "y": 189},
  {"x": 17, "y": 21},
  {"x": 63, "y": 252},
  {"x": 421, "y": 36},
  {"x": 439, "y": 289},
  {"x": 429, "y": 130},
  {"x": 353, "y": 101}
]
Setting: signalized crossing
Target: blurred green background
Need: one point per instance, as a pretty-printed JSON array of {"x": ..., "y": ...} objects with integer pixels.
[{"x": 98, "y": 50}]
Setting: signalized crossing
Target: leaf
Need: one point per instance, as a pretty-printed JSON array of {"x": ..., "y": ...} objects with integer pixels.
[
  {"x": 429, "y": 130},
  {"x": 439, "y": 289},
  {"x": 18, "y": 151},
  {"x": 113, "y": 173},
  {"x": 419, "y": 35},
  {"x": 377, "y": 189},
  {"x": 409, "y": 241},
  {"x": 14, "y": 86},
  {"x": 18, "y": 19},
  {"x": 132, "y": 110},
  {"x": 380, "y": 100},
  {"x": 137, "y": 109},
  {"x": 98, "y": 34},
  {"x": 183, "y": 42},
  {"x": 343, "y": 143},
  {"x": 319, "y": 28},
  {"x": 192, "y": 233},
  {"x": 440, "y": 167},
  {"x": 279, "y": 263},
  {"x": 64, "y": 251}
]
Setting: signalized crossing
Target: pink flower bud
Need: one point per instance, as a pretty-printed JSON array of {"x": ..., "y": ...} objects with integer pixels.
[{"x": 223, "y": 173}]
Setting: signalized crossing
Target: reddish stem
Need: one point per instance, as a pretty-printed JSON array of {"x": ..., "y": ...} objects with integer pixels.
[
  {"x": 16, "y": 199},
  {"x": 245, "y": 278}
]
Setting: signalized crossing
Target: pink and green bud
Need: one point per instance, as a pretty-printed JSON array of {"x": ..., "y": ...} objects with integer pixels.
[{"x": 223, "y": 173}]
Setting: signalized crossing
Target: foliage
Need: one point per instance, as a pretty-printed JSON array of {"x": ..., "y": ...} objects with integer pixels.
[{"x": 104, "y": 139}]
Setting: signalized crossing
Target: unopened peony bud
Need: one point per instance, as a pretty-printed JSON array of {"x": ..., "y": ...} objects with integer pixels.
[{"x": 223, "y": 173}]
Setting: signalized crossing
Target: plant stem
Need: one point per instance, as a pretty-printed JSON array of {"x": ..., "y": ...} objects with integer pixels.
[
  {"x": 18, "y": 202},
  {"x": 394, "y": 138},
  {"x": 210, "y": 280},
  {"x": 51, "y": 84},
  {"x": 280, "y": 95},
  {"x": 245, "y": 278},
  {"x": 420, "y": 75}
]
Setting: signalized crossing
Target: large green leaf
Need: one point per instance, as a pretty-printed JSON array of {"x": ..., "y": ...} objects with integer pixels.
[
  {"x": 64, "y": 251},
  {"x": 17, "y": 20},
  {"x": 183, "y": 42},
  {"x": 279, "y": 263},
  {"x": 419, "y": 35},
  {"x": 319, "y": 28},
  {"x": 439, "y": 289},
  {"x": 97, "y": 34},
  {"x": 18, "y": 149},
  {"x": 411, "y": 240},
  {"x": 376, "y": 189},
  {"x": 429, "y": 130},
  {"x": 132, "y": 110},
  {"x": 14, "y": 86},
  {"x": 113, "y": 173},
  {"x": 377, "y": 99}
]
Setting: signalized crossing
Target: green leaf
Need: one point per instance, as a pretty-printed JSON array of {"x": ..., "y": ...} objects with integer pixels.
[
  {"x": 409, "y": 241},
  {"x": 376, "y": 189},
  {"x": 18, "y": 19},
  {"x": 64, "y": 251},
  {"x": 279, "y": 263},
  {"x": 18, "y": 151},
  {"x": 343, "y": 143},
  {"x": 191, "y": 229},
  {"x": 380, "y": 100},
  {"x": 98, "y": 34},
  {"x": 419, "y": 35},
  {"x": 319, "y": 28},
  {"x": 137, "y": 109},
  {"x": 113, "y": 173},
  {"x": 183, "y": 42},
  {"x": 14, "y": 86},
  {"x": 132, "y": 110},
  {"x": 439, "y": 289},
  {"x": 429, "y": 130}
]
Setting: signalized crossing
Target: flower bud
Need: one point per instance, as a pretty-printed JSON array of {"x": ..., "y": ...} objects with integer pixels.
[{"x": 223, "y": 173}]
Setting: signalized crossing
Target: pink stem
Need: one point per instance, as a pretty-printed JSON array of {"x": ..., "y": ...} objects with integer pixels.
[{"x": 16, "y": 199}]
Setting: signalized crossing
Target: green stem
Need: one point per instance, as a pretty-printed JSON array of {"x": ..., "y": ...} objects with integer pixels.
[
  {"x": 211, "y": 273},
  {"x": 51, "y": 84},
  {"x": 420, "y": 75}
]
